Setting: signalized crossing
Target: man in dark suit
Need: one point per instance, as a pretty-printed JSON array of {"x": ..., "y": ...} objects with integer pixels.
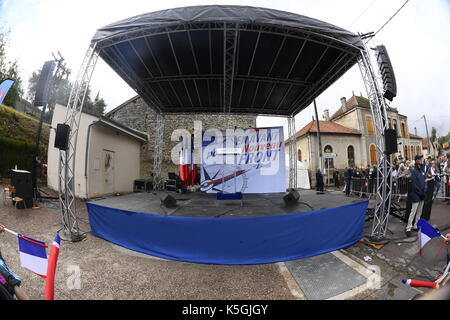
[
  {"x": 418, "y": 189},
  {"x": 319, "y": 180}
]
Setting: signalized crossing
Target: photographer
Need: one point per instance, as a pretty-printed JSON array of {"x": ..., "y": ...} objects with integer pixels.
[{"x": 9, "y": 281}]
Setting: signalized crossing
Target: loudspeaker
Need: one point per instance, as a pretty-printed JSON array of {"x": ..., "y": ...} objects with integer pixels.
[
  {"x": 62, "y": 136},
  {"x": 42, "y": 87},
  {"x": 168, "y": 201},
  {"x": 387, "y": 73},
  {"x": 22, "y": 182},
  {"x": 390, "y": 141},
  {"x": 291, "y": 197}
]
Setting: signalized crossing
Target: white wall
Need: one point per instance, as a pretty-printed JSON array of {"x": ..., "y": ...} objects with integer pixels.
[
  {"x": 126, "y": 160},
  {"x": 127, "y": 153}
]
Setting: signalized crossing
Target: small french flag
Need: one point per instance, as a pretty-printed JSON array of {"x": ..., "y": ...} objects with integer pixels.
[
  {"x": 33, "y": 255},
  {"x": 426, "y": 233}
]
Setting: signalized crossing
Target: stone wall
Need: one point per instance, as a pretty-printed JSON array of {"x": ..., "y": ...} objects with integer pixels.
[{"x": 136, "y": 114}]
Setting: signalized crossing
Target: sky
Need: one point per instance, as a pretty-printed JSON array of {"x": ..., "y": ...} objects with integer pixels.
[{"x": 416, "y": 40}]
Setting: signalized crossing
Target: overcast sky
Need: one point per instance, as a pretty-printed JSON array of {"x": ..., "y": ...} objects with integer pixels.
[{"x": 417, "y": 40}]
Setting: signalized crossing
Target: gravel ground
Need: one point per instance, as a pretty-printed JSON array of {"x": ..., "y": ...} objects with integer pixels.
[{"x": 108, "y": 271}]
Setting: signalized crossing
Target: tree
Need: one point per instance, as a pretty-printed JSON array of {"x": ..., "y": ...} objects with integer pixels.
[
  {"x": 9, "y": 70},
  {"x": 61, "y": 92}
]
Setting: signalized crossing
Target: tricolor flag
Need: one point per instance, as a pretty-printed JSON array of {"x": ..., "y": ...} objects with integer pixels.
[
  {"x": 426, "y": 233},
  {"x": 4, "y": 88},
  {"x": 419, "y": 284},
  {"x": 33, "y": 255}
]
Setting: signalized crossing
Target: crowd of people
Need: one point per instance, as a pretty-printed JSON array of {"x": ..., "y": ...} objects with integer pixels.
[{"x": 421, "y": 180}]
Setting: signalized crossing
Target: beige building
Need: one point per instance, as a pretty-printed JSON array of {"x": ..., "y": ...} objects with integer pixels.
[
  {"x": 107, "y": 156},
  {"x": 349, "y": 135}
]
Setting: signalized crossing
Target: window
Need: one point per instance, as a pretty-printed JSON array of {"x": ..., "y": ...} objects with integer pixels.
[
  {"x": 403, "y": 130},
  {"x": 373, "y": 155},
  {"x": 395, "y": 127},
  {"x": 351, "y": 155},
  {"x": 411, "y": 148},
  {"x": 417, "y": 150},
  {"x": 389, "y": 123},
  {"x": 369, "y": 125},
  {"x": 405, "y": 153},
  {"x": 329, "y": 162},
  {"x": 299, "y": 155}
]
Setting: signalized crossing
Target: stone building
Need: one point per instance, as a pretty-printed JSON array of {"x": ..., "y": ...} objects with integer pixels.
[
  {"x": 136, "y": 114},
  {"x": 350, "y": 134}
]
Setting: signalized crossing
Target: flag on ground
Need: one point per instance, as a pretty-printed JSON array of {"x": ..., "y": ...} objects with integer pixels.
[
  {"x": 33, "y": 255},
  {"x": 51, "y": 270},
  {"x": 426, "y": 233}
]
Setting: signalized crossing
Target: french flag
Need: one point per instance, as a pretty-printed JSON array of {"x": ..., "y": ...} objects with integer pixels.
[
  {"x": 33, "y": 255},
  {"x": 426, "y": 233}
]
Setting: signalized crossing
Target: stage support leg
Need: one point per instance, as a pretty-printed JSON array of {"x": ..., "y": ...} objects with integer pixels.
[
  {"x": 158, "y": 152},
  {"x": 292, "y": 153},
  {"x": 70, "y": 229},
  {"x": 383, "y": 182}
]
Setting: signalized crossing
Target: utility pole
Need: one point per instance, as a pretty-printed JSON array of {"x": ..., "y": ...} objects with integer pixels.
[
  {"x": 318, "y": 138},
  {"x": 428, "y": 137}
]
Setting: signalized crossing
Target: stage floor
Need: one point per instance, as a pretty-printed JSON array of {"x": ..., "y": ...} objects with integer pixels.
[{"x": 205, "y": 205}]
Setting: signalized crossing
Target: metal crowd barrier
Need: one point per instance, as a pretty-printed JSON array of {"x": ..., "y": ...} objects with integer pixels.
[{"x": 366, "y": 186}]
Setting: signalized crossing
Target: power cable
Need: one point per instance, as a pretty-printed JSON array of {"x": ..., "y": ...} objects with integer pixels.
[
  {"x": 362, "y": 13},
  {"x": 390, "y": 18}
]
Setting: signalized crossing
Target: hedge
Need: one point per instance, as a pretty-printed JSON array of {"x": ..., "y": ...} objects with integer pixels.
[{"x": 14, "y": 153}]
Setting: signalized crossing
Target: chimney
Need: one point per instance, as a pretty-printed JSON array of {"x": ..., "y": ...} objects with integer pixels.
[
  {"x": 415, "y": 131},
  {"x": 344, "y": 104},
  {"x": 326, "y": 115}
]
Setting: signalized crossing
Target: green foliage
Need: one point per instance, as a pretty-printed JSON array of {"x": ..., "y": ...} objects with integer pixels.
[
  {"x": 14, "y": 153},
  {"x": 9, "y": 70},
  {"x": 61, "y": 93},
  {"x": 18, "y": 139}
]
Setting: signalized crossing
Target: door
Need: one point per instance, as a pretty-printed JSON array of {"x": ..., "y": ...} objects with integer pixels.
[{"x": 108, "y": 172}]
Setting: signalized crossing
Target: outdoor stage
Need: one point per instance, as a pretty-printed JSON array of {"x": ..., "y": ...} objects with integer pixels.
[{"x": 205, "y": 230}]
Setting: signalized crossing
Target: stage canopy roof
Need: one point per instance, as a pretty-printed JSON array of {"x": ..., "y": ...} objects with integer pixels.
[{"x": 231, "y": 59}]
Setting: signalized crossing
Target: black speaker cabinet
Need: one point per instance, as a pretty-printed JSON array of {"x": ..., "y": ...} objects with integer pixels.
[
  {"x": 291, "y": 197},
  {"x": 168, "y": 201},
  {"x": 21, "y": 180},
  {"x": 390, "y": 141},
  {"x": 62, "y": 136},
  {"x": 43, "y": 85}
]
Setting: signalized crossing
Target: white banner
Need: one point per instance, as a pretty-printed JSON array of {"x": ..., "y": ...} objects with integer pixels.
[{"x": 259, "y": 167}]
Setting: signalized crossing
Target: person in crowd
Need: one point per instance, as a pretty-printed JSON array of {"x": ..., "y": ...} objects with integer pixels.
[
  {"x": 418, "y": 189},
  {"x": 430, "y": 176},
  {"x": 319, "y": 181},
  {"x": 436, "y": 173},
  {"x": 348, "y": 179},
  {"x": 336, "y": 178},
  {"x": 9, "y": 281},
  {"x": 446, "y": 172}
]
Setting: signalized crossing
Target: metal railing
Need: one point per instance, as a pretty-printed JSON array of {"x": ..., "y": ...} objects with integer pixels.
[{"x": 366, "y": 186}]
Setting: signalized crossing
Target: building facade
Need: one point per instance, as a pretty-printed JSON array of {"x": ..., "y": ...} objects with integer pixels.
[
  {"x": 136, "y": 114},
  {"x": 107, "y": 160},
  {"x": 349, "y": 136}
]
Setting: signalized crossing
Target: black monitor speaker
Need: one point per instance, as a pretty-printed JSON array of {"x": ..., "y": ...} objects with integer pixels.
[
  {"x": 291, "y": 197},
  {"x": 62, "y": 136},
  {"x": 390, "y": 141},
  {"x": 387, "y": 73},
  {"x": 168, "y": 201},
  {"x": 22, "y": 182},
  {"x": 43, "y": 85}
]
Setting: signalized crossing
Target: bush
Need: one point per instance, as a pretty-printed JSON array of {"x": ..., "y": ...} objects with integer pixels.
[{"x": 14, "y": 153}]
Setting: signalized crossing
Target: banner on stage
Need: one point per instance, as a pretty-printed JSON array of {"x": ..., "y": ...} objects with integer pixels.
[{"x": 258, "y": 167}]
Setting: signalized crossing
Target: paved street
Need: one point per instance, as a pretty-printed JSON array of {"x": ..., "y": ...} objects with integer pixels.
[{"x": 108, "y": 271}]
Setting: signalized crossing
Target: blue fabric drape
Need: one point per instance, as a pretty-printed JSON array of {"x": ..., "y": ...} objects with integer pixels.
[{"x": 243, "y": 240}]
